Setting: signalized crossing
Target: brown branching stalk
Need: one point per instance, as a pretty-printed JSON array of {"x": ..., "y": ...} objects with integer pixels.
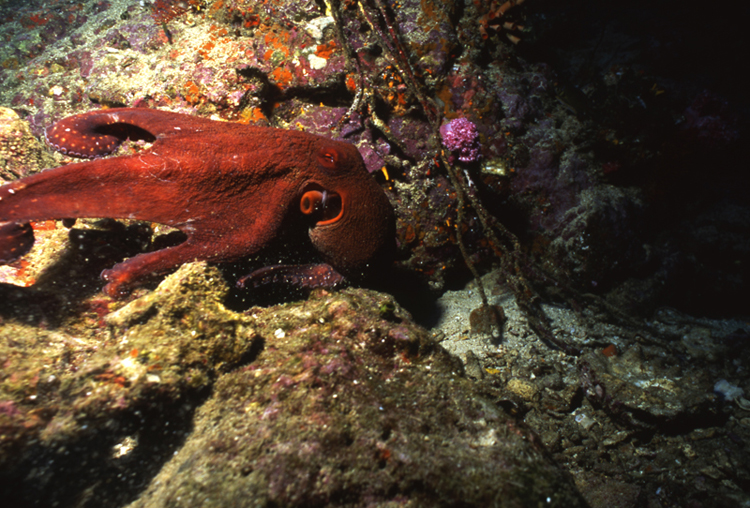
[{"x": 504, "y": 243}]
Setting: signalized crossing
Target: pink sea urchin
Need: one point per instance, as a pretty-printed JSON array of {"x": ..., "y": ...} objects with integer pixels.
[{"x": 460, "y": 136}]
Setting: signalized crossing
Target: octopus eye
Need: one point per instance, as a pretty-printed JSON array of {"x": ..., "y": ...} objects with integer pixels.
[
  {"x": 326, "y": 205},
  {"x": 312, "y": 201},
  {"x": 328, "y": 157}
]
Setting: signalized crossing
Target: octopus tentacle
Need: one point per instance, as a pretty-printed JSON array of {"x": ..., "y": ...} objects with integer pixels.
[{"x": 99, "y": 133}]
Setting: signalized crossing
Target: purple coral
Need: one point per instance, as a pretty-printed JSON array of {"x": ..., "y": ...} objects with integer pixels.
[{"x": 461, "y": 136}]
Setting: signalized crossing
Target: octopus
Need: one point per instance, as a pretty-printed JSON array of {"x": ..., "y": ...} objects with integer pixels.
[{"x": 231, "y": 189}]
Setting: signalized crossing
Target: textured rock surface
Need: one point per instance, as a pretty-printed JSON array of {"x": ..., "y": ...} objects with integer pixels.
[
  {"x": 343, "y": 408},
  {"x": 601, "y": 149},
  {"x": 340, "y": 400},
  {"x": 21, "y": 153}
]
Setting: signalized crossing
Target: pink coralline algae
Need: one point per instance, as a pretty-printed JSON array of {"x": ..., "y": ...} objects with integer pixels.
[{"x": 460, "y": 136}]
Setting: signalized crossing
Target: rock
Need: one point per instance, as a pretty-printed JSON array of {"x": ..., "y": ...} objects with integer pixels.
[
  {"x": 339, "y": 400},
  {"x": 327, "y": 415},
  {"x": 21, "y": 154}
]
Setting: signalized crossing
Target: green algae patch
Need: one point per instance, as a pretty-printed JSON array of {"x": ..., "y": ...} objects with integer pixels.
[
  {"x": 182, "y": 328},
  {"x": 59, "y": 385},
  {"x": 21, "y": 154}
]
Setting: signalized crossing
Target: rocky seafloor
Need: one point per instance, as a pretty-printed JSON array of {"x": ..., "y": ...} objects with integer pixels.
[{"x": 598, "y": 195}]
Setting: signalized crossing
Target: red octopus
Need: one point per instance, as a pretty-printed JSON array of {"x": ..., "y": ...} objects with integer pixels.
[{"x": 230, "y": 188}]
